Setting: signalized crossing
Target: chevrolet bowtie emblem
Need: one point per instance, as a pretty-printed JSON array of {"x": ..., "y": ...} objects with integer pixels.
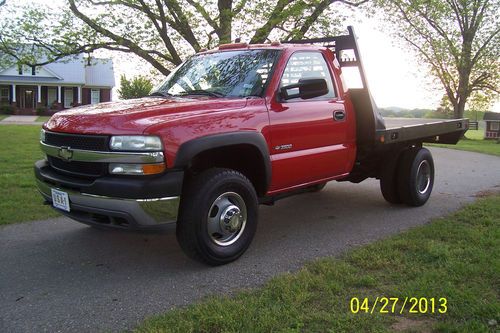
[{"x": 65, "y": 153}]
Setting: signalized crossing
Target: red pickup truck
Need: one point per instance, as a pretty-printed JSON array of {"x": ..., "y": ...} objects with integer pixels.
[{"x": 230, "y": 129}]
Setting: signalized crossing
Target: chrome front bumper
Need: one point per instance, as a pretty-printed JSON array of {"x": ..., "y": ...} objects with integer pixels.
[{"x": 116, "y": 212}]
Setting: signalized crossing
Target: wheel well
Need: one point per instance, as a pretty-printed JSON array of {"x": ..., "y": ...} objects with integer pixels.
[{"x": 243, "y": 158}]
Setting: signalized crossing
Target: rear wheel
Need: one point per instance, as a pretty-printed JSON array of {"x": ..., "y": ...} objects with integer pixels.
[
  {"x": 415, "y": 176},
  {"x": 388, "y": 181},
  {"x": 218, "y": 216}
]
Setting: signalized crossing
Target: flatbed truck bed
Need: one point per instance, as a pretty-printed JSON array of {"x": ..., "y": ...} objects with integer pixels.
[{"x": 423, "y": 130}]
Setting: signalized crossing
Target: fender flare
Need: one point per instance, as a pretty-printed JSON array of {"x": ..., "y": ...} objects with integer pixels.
[{"x": 188, "y": 150}]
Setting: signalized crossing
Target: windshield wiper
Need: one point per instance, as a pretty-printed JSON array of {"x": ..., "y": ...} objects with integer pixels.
[{"x": 202, "y": 92}]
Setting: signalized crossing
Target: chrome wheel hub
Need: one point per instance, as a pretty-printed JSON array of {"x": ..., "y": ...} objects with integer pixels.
[
  {"x": 227, "y": 218},
  {"x": 231, "y": 219},
  {"x": 423, "y": 177}
]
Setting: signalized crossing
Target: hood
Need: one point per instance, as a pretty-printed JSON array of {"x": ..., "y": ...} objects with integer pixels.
[{"x": 134, "y": 116}]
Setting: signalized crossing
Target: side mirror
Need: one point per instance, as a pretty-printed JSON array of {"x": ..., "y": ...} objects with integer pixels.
[{"x": 307, "y": 88}]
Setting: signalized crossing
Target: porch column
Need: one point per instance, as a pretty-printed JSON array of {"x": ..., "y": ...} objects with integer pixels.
[
  {"x": 79, "y": 95},
  {"x": 59, "y": 94},
  {"x": 13, "y": 93},
  {"x": 39, "y": 94}
]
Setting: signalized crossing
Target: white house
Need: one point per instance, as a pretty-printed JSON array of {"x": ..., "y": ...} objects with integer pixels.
[{"x": 60, "y": 85}]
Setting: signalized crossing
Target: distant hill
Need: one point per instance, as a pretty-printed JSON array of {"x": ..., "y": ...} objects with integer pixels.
[{"x": 394, "y": 111}]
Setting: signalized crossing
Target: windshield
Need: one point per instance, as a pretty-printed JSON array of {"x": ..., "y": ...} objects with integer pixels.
[{"x": 232, "y": 74}]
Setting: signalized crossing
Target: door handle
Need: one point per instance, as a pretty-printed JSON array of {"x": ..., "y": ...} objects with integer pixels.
[{"x": 339, "y": 115}]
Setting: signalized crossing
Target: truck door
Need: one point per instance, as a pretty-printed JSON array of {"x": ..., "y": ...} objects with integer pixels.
[{"x": 309, "y": 137}]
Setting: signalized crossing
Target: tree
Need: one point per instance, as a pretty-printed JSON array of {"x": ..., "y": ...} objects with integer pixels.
[
  {"x": 139, "y": 86},
  {"x": 162, "y": 32},
  {"x": 445, "y": 109},
  {"x": 458, "y": 39}
]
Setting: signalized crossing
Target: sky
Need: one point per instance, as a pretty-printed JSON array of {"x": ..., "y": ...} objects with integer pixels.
[{"x": 395, "y": 77}]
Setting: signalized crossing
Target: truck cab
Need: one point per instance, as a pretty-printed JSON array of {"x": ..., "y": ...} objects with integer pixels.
[{"x": 230, "y": 129}]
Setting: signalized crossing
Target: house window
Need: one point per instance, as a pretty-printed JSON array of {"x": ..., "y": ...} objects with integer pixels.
[
  {"x": 20, "y": 69},
  {"x": 4, "y": 95},
  {"x": 51, "y": 96},
  {"x": 33, "y": 70},
  {"x": 495, "y": 126},
  {"x": 95, "y": 96}
]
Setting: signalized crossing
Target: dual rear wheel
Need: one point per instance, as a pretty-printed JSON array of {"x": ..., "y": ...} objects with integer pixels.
[{"x": 409, "y": 178}]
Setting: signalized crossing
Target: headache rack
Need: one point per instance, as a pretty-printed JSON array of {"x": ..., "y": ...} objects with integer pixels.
[{"x": 339, "y": 45}]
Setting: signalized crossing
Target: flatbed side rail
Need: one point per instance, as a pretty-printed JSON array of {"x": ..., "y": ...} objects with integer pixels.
[{"x": 446, "y": 131}]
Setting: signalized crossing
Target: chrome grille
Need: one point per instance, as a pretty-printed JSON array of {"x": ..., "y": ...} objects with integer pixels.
[
  {"x": 76, "y": 168},
  {"x": 77, "y": 141}
]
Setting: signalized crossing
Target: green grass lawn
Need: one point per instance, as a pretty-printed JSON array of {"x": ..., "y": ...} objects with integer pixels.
[
  {"x": 452, "y": 258},
  {"x": 19, "y": 199},
  {"x": 42, "y": 119},
  {"x": 474, "y": 142},
  {"x": 3, "y": 116}
]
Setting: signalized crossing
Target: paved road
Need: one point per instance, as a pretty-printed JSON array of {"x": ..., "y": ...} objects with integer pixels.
[{"x": 59, "y": 275}]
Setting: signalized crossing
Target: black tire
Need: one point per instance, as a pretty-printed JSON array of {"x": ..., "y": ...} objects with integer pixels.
[
  {"x": 199, "y": 197},
  {"x": 415, "y": 176},
  {"x": 389, "y": 183}
]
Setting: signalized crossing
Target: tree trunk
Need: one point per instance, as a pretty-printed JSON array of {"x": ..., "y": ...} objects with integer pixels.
[
  {"x": 462, "y": 92},
  {"x": 459, "y": 108},
  {"x": 225, "y": 21}
]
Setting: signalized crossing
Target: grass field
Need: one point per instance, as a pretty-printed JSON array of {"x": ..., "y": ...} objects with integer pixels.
[
  {"x": 42, "y": 118},
  {"x": 3, "y": 116},
  {"x": 450, "y": 258},
  {"x": 19, "y": 199},
  {"x": 474, "y": 142}
]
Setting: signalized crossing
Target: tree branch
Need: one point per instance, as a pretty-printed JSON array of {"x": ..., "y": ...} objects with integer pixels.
[
  {"x": 118, "y": 39},
  {"x": 199, "y": 8}
]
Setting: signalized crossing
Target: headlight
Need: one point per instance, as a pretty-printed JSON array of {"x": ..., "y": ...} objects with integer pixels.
[
  {"x": 42, "y": 135},
  {"x": 135, "y": 143},
  {"x": 136, "y": 169}
]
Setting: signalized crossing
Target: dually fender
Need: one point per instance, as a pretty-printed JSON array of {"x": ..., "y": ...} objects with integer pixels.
[{"x": 188, "y": 150}]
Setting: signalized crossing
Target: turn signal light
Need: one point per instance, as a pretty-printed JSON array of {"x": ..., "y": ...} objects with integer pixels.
[
  {"x": 151, "y": 169},
  {"x": 136, "y": 169}
]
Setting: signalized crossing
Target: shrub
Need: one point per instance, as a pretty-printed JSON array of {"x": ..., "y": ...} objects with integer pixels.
[
  {"x": 6, "y": 109},
  {"x": 41, "y": 110},
  {"x": 139, "y": 86}
]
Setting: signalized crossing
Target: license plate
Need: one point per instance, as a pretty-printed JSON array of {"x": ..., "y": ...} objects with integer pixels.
[{"x": 60, "y": 200}]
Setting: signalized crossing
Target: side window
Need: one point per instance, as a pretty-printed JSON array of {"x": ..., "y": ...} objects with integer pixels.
[{"x": 307, "y": 65}]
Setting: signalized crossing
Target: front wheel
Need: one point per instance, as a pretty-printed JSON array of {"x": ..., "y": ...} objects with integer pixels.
[
  {"x": 218, "y": 216},
  {"x": 415, "y": 176}
]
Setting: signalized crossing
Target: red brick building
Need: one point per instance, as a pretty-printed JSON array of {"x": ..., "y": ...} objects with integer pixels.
[{"x": 60, "y": 85}]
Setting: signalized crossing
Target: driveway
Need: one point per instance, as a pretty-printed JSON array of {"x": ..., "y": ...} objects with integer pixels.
[{"x": 59, "y": 275}]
